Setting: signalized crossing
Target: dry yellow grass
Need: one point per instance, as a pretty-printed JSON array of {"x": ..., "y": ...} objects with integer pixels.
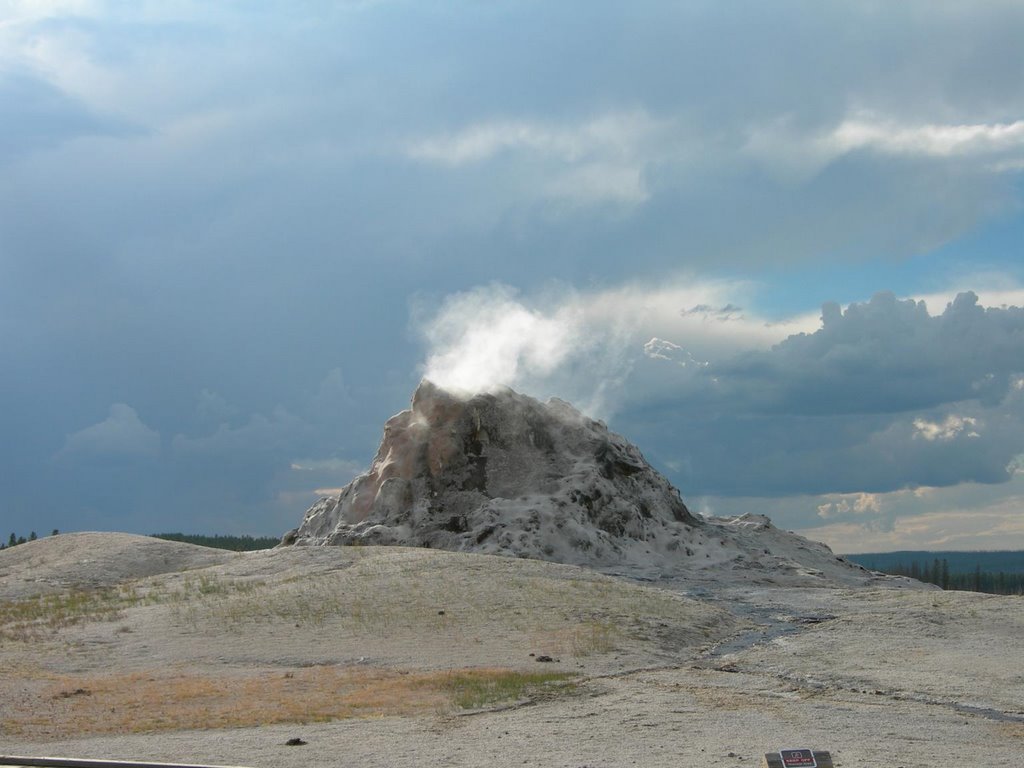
[
  {"x": 579, "y": 640},
  {"x": 79, "y": 705}
]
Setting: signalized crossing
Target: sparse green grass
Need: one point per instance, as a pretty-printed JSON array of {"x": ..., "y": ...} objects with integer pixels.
[
  {"x": 476, "y": 688},
  {"x": 35, "y": 617},
  {"x": 208, "y": 584}
]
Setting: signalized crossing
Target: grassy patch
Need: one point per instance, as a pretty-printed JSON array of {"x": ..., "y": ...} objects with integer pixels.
[
  {"x": 80, "y": 705},
  {"x": 475, "y": 688},
  {"x": 36, "y": 617},
  {"x": 593, "y": 637},
  {"x": 209, "y": 584}
]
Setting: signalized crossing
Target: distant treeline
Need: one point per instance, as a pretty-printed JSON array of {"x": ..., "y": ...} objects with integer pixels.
[
  {"x": 999, "y": 573},
  {"x": 244, "y": 543},
  {"x": 1008, "y": 561},
  {"x": 14, "y": 540}
]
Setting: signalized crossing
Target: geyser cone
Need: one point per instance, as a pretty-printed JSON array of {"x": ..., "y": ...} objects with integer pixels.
[{"x": 504, "y": 473}]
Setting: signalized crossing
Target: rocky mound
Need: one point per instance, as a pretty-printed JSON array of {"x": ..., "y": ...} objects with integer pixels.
[
  {"x": 90, "y": 560},
  {"x": 502, "y": 473}
]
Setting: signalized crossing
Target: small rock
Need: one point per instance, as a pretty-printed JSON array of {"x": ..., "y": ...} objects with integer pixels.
[
  {"x": 295, "y": 742},
  {"x": 544, "y": 658}
]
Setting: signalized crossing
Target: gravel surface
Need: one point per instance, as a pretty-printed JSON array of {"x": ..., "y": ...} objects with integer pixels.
[{"x": 880, "y": 677}]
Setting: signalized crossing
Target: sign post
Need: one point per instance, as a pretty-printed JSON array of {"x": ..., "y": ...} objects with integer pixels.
[{"x": 797, "y": 758}]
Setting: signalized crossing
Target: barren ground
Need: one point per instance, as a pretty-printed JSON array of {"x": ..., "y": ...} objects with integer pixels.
[{"x": 124, "y": 647}]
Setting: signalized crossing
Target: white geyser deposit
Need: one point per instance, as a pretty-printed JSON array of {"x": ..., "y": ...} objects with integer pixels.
[{"x": 502, "y": 473}]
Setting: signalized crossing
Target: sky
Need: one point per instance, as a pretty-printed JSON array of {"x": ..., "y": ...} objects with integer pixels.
[{"x": 776, "y": 245}]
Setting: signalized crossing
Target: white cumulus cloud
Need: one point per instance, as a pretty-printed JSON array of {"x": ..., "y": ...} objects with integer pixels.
[
  {"x": 948, "y": 429},
  {"x": 856, "y": 503}
]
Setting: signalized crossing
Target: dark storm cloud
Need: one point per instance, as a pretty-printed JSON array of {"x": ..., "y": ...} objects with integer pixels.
[
  {"x": 883, "y": 396},
  {"x": 205, "y": 210},
  {"x": 884, "y": 356}
]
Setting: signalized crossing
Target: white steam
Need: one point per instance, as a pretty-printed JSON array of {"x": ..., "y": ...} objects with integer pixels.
[
  {"x": 486, "y": 339},
  {"x": 589, "y": 347}
]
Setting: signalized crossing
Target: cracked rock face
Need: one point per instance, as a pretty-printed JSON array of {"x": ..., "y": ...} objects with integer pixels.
[{"x": 502, "y": 473}]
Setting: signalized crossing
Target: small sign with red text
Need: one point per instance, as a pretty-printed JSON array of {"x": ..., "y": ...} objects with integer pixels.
[{"x": 798, "y": 758}]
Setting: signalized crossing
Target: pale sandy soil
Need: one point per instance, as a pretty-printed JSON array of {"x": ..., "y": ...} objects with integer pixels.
[{"x": 191, "y": 637}]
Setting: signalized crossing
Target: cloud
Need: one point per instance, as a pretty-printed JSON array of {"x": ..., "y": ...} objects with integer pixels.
[
  {"x": 885, "y": 355},
  {"x": 616, "y": 134},
  {"x": 338, "y": 467},
  {"x": 592, "y": 161},
  {"x": 928, "y": 139},
  {"x": 293, "y": 174},
  {"x": 963, "y": 516},
  {"x": 39, "y": 116},
  {"x": 121, "y": 435},
  {"x": 951, "y": 427},
  {"x": 271, "y": 435},
  {"x": 266, "y": 467},
  {"x": 659, "y": 349},
  {"x": 857, "y": 503},
  {"x": 726, "y": 313},
  {"x": 883, "y": 396},
  {"x": 799, "y": 152},
  {"x": 212, "y": 409},
  {"x": 880, "y": 396},
  {"x": 333, "y": 397},
  {"x": 968, "y": 516},
  {"x": 227, "y": 447},
  {"x": 313, "y": 478},
  {"x": 588, "y": 346},
  {"x": 23, "y": 11},
  {"x": 993, "y": 289}
]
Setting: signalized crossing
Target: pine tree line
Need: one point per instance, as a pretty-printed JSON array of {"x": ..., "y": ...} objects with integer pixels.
[
  {"x": 243, "y": 543},
  {"x": 14, "y": 540},
  {"x": 937, "y": 572}
]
